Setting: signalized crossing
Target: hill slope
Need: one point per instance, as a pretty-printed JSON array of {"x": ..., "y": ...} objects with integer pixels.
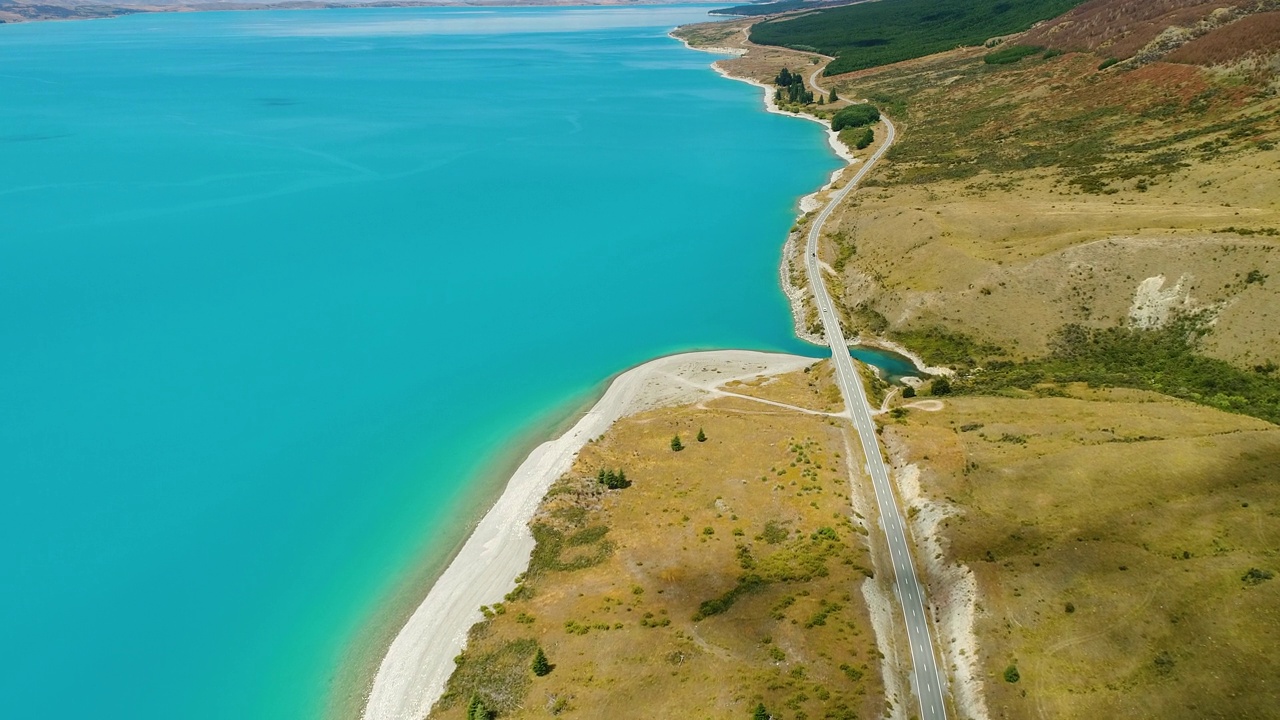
[{"x": 872, "y": 34}]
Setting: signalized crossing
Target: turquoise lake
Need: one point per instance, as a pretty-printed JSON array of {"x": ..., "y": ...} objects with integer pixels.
[{"x": 277, "y": 287}]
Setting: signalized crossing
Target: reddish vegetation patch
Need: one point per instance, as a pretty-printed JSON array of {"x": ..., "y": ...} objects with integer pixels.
[
  {"x": 1254, "y": 34},
  {"x": 1119, "y": 28},
  {"x": 1163, "y": 79}
]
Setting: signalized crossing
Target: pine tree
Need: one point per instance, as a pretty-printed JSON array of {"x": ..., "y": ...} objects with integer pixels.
[
  {"x": 702, "y": 437},
  {"x": 541, "y": 666},
  {"x": 760, "y": 713},
  {"x": 676, "y": 444},
  {"x": 623, "y": 482},
  {"x": 833, "y": 97}
]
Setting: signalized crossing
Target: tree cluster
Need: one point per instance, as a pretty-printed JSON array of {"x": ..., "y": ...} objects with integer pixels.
[
  {"x": 855, "y": 116},
  {"x": 613, "y": 480},
  {"x": 791, "y": 88}
]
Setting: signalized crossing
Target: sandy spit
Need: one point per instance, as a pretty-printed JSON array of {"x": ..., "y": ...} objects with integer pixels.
[{"x": 413, "y": 674}]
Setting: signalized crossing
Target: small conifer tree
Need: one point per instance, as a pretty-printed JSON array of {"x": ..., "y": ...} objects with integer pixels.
[
  {"x": 541, "y": 666},
  {"x": 702, "y": 437},
  {"x": 676, "y": 444},
  {"x": 760, "y": 713},
  {"x": 833, "y": 98}
]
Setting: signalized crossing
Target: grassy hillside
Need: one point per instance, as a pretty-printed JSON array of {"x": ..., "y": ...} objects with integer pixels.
[
  {"x": 873, "y": 34},
  {"x": 1023, "y": 198},
  {"x": 1122, "y": 544},
  {"x": 1121, "y": 28}
]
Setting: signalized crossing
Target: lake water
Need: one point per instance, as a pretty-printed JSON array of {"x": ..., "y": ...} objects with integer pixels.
[{"x": 276, "y": 286}]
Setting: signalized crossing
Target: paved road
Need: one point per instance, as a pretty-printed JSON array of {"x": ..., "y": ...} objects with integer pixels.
[{"x": 926, "y": 679}]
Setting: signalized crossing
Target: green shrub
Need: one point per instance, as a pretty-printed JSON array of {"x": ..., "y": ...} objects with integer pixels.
[
  {"x": 1163, "y": 360},
  {"x": 1011, "y": 674},
  {"x": 1254, "y": 576},
  {"x": 774, "y": 533},
  {"x": 939, "y": 346},
  {"x": 1108, "y": 63},
  {"x": 1010, "y": 54},
  {"x": 493, "y": 682}
]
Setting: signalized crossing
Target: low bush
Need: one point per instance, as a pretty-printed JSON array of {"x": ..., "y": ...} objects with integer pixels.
[
  {"x": 1163, "y": 360},
  {"x": 1011, "y": 54}
]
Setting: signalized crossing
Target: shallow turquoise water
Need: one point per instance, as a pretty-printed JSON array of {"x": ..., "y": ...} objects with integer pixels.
[{"x": 274, "y": 285}]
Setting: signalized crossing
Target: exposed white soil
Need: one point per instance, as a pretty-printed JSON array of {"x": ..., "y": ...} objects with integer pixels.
[
  {"x": 953, "y": 588},
  {"x": 1153, "y": 304}
]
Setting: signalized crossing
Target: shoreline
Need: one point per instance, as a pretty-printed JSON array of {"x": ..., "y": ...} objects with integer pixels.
[
  {"x": 832, "y": 136},
  {"x": 415, "y": 669},
  {"x": 417, "y": 665},
  {"x": 807, "y": 204},
  {"x": 349, "y": 689}
]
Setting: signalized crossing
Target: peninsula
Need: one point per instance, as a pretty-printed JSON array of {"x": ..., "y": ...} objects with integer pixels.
[{"x": 1069, "y": 512}]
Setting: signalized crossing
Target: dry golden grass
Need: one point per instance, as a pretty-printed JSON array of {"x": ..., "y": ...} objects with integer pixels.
[
  {"x": 1144, "y": 514},
  {"x": 620, "y": 630},
  {"x": 814, "y": 390}
]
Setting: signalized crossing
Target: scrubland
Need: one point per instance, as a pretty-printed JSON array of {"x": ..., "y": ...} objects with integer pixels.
[{"x": 725, "y": 576}]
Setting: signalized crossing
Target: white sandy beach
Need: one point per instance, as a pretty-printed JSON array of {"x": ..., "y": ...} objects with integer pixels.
[{"x": 413, "y": 674}]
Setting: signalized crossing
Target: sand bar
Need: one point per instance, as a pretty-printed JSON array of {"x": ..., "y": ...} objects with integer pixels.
[{"x": 413, "y": 674}]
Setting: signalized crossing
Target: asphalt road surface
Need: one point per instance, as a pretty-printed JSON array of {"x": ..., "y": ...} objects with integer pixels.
[{"x": 926, "y": 678}]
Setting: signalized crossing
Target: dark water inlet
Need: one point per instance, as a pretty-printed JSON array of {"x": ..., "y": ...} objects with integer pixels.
[{"x": 891, "y": 364}]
